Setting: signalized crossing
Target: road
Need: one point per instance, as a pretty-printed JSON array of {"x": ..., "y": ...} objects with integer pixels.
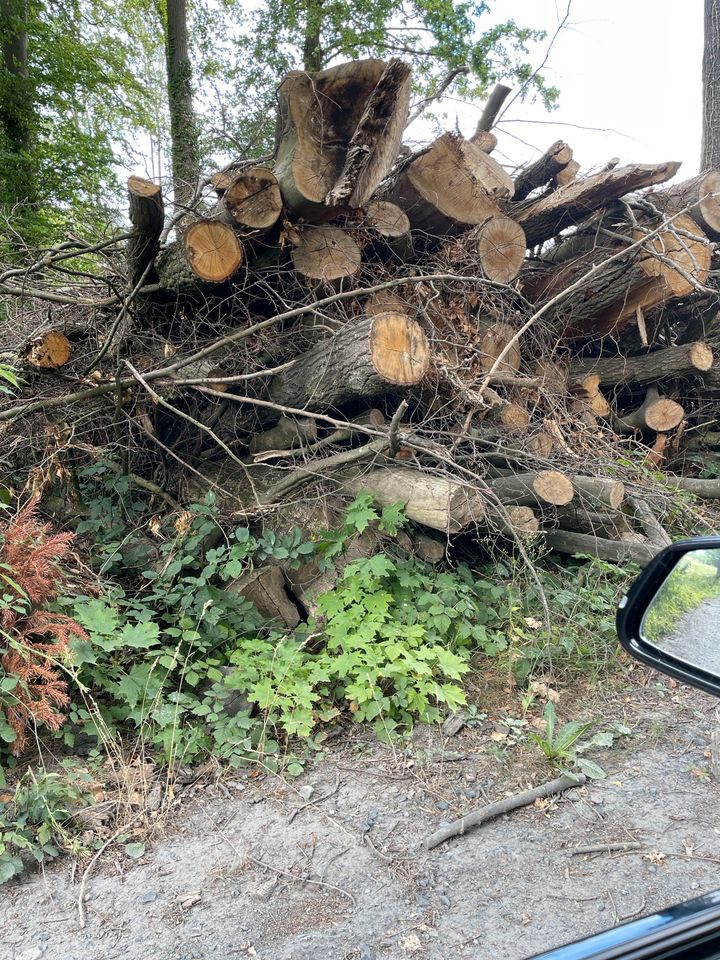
[{"x": 696, "y": 639}]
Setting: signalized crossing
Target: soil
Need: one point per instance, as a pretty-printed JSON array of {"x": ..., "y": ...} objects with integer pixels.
[{"x": 247, "y": 866}]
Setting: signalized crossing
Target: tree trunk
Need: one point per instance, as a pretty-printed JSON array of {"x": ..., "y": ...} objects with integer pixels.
[
  {"x": 450, "y": 187},
  {"x": 492, "y": 108},
  {"x": 656, "y": 413},
  {"x": 183, "y": 123},
  {"x": 617, "y": 551},
  {"x": 555, "y": 159},
  {"x": 286, "y": 434},
  {"x": 710, "y": 148},
  {"x": 265, "y": 589},
  {"x": 322, "y": 117},
  {"x": 682, "y": 360},
  {"x": 699, "y": 198},
  {"x": 528, "y": 489},
  {"x": 17, "y": 108},
  {"x": 545, "y": 218},
  {"x": 147, "y": 214},
  {"x": 312, "y": 50},
  {"x": 365, "y": 359}
]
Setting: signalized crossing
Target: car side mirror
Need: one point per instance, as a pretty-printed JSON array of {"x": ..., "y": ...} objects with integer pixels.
[{"x": 670, "y": 618}]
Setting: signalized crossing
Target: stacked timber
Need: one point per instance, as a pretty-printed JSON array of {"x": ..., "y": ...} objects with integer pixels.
[{"x": 511, "y": 354}]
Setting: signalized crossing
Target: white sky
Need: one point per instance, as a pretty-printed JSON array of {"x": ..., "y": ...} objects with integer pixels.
[{"x": 630, "y": 68}]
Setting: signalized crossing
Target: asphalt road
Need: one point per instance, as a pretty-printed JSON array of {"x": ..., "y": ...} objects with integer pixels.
[{"x": 696, "y": 639}]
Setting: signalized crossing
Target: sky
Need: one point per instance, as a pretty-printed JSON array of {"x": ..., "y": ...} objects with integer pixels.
[{"x": 629, "y": 74}]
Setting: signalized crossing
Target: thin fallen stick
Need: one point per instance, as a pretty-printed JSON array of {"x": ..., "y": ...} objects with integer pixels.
[
  {"x": 96, "y": 857},
  {"x": 492, "y": 810},
  {"x": 622, "y": 847}
]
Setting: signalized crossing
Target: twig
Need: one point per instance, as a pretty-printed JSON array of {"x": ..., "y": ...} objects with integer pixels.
[
  {"x": 312, "y": 803},
  {"x": 506, "y": 805},
  {"x": 394, "y": 430},
  {"x": 442, "y": 87},
  {"x": 620, "y": 847}
]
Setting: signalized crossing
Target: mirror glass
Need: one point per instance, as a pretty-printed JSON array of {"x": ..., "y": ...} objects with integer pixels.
[{"x": 683, "y": 618}]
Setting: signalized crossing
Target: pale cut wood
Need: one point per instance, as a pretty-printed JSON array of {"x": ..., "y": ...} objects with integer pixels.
[
  {"x": 485, "y": 139},
  {"x": 365, "y": 359},
  {"x": 212, "y": 250},
  {"x": 289, "y": 432},
  {"x": 698, "y": 197},
  {"x": 526, "y": 489},
  {"x": 567, "y": 175},
  {"x": 655, "y": 413},
  {"x": 680, "y": 360},
  {"x": 500, "y": 247},
  {"x": 385, "y": 301},
  {"x": 48, "y": 350},
  {"x": 515, "y": 522},
  {"x": 147, "y": 213},
  {"x": 318, "y": 115},
  {"x": 390, "y": 228},
  {"x": 326, "y": 254},
  {"x": 514, "y": 416},
  {"x": 252, "y": 201},
  {"x": 495, "y": 337},
  {"x": 432, "y": 501},
  {"x": 594, "y": 491},
  {"x": 555, "y": 159},
  {"x": 589, "y": 396},
  {"x": 450, "y": 187},
  {"x": 545, "y": 218}
]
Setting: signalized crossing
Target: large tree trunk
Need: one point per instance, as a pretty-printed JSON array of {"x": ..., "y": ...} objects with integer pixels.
[
  {"x": 710, "y": 149},
  {"x": 365, "y": 359},
  {"x": 183, "y": 123},
  {"x": 17, "y": 111}
]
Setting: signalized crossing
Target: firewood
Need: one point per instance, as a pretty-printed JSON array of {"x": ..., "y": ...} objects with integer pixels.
[
  {"x": 555, "y": 159},
  {"x": 498, "y": 95},
  {"x": 289, "y": 432},
  {"x": 326, "y": 254},
  {"x": 567, "y": 175},
  {"x": 147, "y": 213},
  {"x": 594, "y": 491},
  {"x": 365, "y": 359},
  {"x": 617, "y": 551},
  {"x": 450, "y": 187},
  {"x": 526, "y": 489},
  {"x": 545, "y": 218},
  {"x": 588, "y": 395},
  {"x": 428, "y": 548},
  {"x": 251, "y": 202},
  {"x": 318, "y": 116},
  {"x": 386, "y": 301},
  {"x": 656, "y": 413},
  {"x": 485, "y": 139},
  {"x": 681, "y": 360},
  {"x": 432, "y": 501},
  {"x": 579, "y": 519},
  {"x": 703, "y": 489},
  {"x": 496, "y": 335},
  {"x": 514, "y": 522},
  {"x": 698, "y": 197},
  {"x": 390, "y": 228},
  {"x": 212, "y": 250},
  {"x": 499, "y": 244}
]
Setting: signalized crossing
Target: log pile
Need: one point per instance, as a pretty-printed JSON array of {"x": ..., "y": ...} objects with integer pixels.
[{"x": 513, "y": 354}]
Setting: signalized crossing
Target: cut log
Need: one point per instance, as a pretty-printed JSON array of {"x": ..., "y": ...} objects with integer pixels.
[
  {"x": 682, "y": 360},
  {"x": 595, "y": 491},
  {"x": 432, "y": 501},
  {"x": 495, "y": 338},
  {"x": 485, "y": 139},
  {"x": 545, "y": 218},
  {"x": 147, "y": 214},
  {"x": 326, "y": 254},
  {"x": 698, "y": 198},
  {"x": 265, "y": 589},
  {"x": 450, "y": 187},
  {"x": 656, "y": 413},
  {"x": 318, "y": 115},
  {"x": 526, "y": 489},
  {"x": 212, "y": 250},
  {"x": 286, "y": 434},
  {"x": 555, "y": 159},
  {"x": 48, "y": 350},
  {"x": 390, "y": 228},
  {"x": 500, "y": 246},
  {"x": 589, "y": 396},
  {"x": 252, "y": 201},
  {"x": 616, "y": 551},
  {"x": 428, "y": 548},
  {"x": 365, "y": 359},
  {"x": 609, "y": 526},
  {"x": 704, "y": 489},
  {"x": 567, "y": 175},
  {"x": 514, "y": 416},
  {"x": 386, "y": 301},
  {"x": 498, "y": 96},
  {"x": 517, "y": 523},
  {"x": 376, "y": 140}
]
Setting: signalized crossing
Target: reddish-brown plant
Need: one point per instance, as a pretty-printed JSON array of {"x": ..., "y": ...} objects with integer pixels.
[{"x": 32, "y": 639}]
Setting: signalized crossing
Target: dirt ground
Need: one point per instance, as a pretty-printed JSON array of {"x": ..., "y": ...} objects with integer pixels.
[{"x": 250, "y": 867}]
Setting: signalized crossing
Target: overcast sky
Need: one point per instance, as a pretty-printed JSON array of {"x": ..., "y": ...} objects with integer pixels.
[{"x": 629, "y": 68}]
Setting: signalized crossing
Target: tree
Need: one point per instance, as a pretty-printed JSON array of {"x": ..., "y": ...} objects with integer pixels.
[
  {"x": 183, "y": 123},
  {"x": 710, "y": 149}
]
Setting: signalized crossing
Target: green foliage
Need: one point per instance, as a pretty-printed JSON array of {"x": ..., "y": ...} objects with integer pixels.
[
  {"x": 563, "y": 745},
  {"x": 33, "y": 819}
]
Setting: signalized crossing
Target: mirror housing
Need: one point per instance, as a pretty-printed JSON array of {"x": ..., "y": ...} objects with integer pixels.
[{"x": 634, "y": 606}]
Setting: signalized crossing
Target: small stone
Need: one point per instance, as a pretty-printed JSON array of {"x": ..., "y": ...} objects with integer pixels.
[
  {"x": 471, "y": 792},
  {"x": 149, "y": 897},
  {"x": 444, "y": 899},
  {"x": 34, "y": 954},
  {"x": 421, "y": 900},
  {"x": 373, "y": 815},
  {"x": 442, "y": 805},
  {"x": 306, "y": 791},
  {"x": 366, "y": 952}
]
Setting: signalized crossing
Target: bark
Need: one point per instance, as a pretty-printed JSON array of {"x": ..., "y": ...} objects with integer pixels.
[
  {"x": 616, "y": 551},
  {"x": 608, "y": 526},
  {"x": 432, "y": 501},
  {"x": 183, "y": 123},
  {"x": 491, "y": 109},
  {"x": 710, "y": 148},
  {"x": 265, "y": 589},
  {"x": 545, "y": 218},
  {"x": 598, "y": 491},
  {"x": 334, "y": 101},
  {"x": 704, "y": 489},
  {"x": 365, "y": 359},
  {"x": 288, "y": 433},
  {"x": 527, "y": 489},
  {"x": 698, "y": 197},
  {"x": 681, "y": 360},
  {"x": 448, "y": 188},
  {"x": 147, "y": 214},
  {"x": 555, "y": 159},
  {"x": 16, "y": 108}
]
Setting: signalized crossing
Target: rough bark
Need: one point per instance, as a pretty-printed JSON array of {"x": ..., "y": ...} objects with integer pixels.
[
  {"x": 710, "y": 147},
  {"x": 265, "y": 589},
  {"x": 183, "y": 123},
  {"x": 545, "y": 218},
  {"x": 289, "y": 432},
  {"x": 147, "y": 213},
  {"x": 555, "y": 159},
  {"x": 616, "y": 551},
  {"x": 681, "y": 360},
  {"x": 492, "y": 108},
  {"x": 698, "y": 197},
  {"x": 365, "y": 359}
]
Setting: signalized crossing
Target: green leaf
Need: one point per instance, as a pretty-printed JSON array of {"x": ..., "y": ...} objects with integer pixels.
[
  {"x": 97, "y": 617},
  {"x": 135, "y": 850},
  {"x": 592, "y": 770},
  {"x": 360, "y": 513},
  {"x": 140, "y": 636}
]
